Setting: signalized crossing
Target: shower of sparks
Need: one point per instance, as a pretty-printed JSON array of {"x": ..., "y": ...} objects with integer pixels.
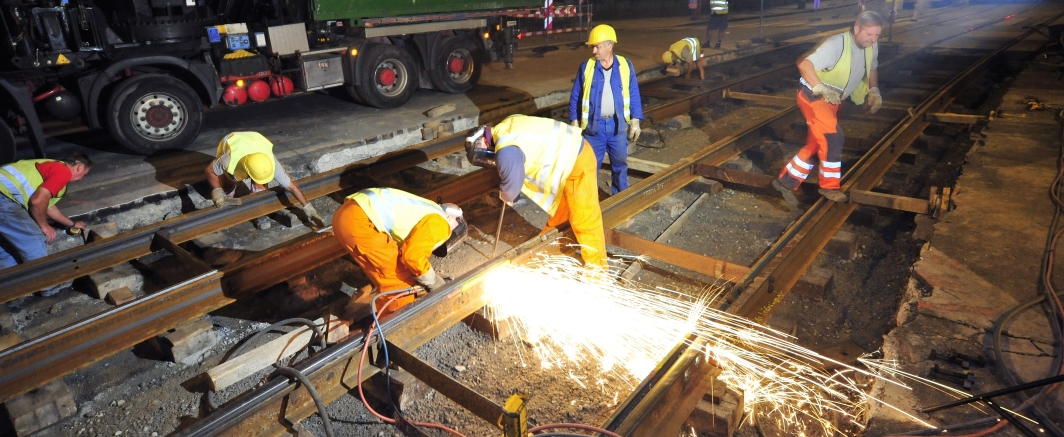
[{"x": 573, "y": 317}]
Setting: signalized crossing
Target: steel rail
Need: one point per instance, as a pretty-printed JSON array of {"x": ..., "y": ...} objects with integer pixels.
[{"x": 772, "y": 276}]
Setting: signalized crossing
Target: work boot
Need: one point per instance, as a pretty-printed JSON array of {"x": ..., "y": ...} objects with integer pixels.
[
  {"x": 834, "y": 195},
  {"x": 788, "y": 195},
  {"x": 718, "y": 45},
  {"x": 262, "y": 223}
]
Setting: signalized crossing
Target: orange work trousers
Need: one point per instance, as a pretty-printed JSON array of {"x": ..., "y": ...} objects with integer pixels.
[
  {"x": 579, "y": 206},
  {"x": 824, "y": 140},
  {"x": 375, "y": 252}
]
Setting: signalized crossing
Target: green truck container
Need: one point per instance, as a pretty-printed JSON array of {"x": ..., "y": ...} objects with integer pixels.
[{"x": 360, "y": 9}]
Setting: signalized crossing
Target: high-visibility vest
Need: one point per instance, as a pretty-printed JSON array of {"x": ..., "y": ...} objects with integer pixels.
[
  {"x": 719, "y": 7},
  {"x": 550, "y": 148},
  {"x": 626, "y": 91},
  {"x": 396, "y": 212},
  {"x": 838, "y": 76},
  {"x": 19, "y": 180},
  {"x": 239, "y": 145},
  {"x": 692, "y": 43}
]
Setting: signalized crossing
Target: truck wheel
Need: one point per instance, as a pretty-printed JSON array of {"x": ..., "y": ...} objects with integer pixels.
[
  {"x": 151, "y": 112},
  {"x": 458, "y": 65},
  {"x": 7, "y": 144},
  {"x": 387, "y": 78}
]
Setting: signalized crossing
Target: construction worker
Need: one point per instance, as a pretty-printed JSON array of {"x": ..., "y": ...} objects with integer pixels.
[
  {"x": 605, "y": 103},
  {"x": 551, "y": 164},
  {"x": 391, "y": 233},
  {"x": 248, "y": 157},
  {"x": 718, "y": 20},
  {"x": 30, "y": 190},
  {"x": 683, "y": 57},
  {"x": 844, "y": 65}
]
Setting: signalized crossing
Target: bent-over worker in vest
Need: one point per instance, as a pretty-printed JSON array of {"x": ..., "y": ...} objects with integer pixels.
[
  {"x": 248, "y": 157},
  {"x": 551, "y": 164},
  {"x": 391, "y": 233},
  {"x": 605, "y": 103},
  {"x": 844, "y": 65},
  {"x": 30, "y": 190},
  {"x": 683, "y": 57}
]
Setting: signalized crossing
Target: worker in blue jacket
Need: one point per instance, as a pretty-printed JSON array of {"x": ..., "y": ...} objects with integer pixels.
[{"x": 607, "y": 107}]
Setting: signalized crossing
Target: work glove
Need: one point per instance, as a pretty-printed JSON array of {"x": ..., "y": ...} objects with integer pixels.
[
  {"x": 874, "y": 100},
  {"x": 218, "y": 196},
  {"x": 430, "y": 280},
  {"x": 634, "y": 130},
  {"x": 312, "y": 214},
  {"x": 575, "y": 123},
  {"x": 827, "y": 93}
]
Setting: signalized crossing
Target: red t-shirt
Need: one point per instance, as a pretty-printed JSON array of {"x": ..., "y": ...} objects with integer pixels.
[{"x": 56, "y": 175}]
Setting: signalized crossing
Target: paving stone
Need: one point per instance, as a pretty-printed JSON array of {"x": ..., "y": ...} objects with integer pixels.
[
  {"x": 497, "y": 329},
  {"x": 440, "y": 110},
  {"x": 814, "y": 284},
  {"x": 428, "y": 134},
  {"x": 190, "y": 343},
  {"x": 120, "y": 296},
  {"x": 111, "y": 278},
  {"x": 678, "y": 122},
  {"x": 843, "y": 245},
  {"x": 210, "y": 240},
  {"x": 405, "y": 388},
  {"x": 719, "y": 412},
  {"x": 41, "y": 408},
  {"x": 702, "y": 116}
]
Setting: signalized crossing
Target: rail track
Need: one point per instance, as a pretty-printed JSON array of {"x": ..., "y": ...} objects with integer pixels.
[{"x": 663, "y": 401}]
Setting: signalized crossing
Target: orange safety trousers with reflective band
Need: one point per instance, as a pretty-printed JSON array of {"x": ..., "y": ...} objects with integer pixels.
[
  {"x": 579, "y": 206},
  {"x": 824, "y": 140},
  {"x": 387, "y": 266}
]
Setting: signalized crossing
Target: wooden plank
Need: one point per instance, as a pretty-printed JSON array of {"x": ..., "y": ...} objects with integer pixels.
[
  {"x": 949, "y": 117},
  {"x": 900, "y": 203},
  {"x": 681, "y": 220},
  {"x": 252, "y": 361},
  {"x": 678, "y": 257},
  {"x": 734, "y": 176}
]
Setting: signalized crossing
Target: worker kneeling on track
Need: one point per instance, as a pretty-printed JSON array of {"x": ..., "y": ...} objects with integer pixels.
[
  {"x": 683, "y": 57},
  {"x": 248, "y": 157},
  {"x": 551, "y": 164},
  {"x": 391, "y": 233}
]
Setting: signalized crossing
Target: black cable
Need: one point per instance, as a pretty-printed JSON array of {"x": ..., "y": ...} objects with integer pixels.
[{"x": 326, "y": 422}]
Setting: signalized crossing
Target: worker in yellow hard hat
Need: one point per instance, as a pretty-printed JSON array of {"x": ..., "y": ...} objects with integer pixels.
[
  {"x": 605, "y": 103},
  {"x": 248, "y": 157},
  {"x": 683, "y": 57}
]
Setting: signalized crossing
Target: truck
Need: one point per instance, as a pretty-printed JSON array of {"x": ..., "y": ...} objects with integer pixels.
[{"x": 145, "y": 70}]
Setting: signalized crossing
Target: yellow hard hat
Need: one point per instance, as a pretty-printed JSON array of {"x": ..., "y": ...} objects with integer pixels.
[
  {"x": 667, "y": 57},
  {"x": 259, "y": 167},
  {"x": 601, "y": 33}
]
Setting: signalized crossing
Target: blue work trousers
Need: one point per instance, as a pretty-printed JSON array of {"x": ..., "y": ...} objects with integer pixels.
[
  {"x": 612, "y": 139},
  {"x": 21, "y": 240}
]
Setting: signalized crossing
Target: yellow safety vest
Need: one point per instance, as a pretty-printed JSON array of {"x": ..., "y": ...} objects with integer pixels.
[
  {"x": 19, "y": 180},
  {"x": 550, "y": 148},
  {"x": 838, "y": 76},
  {"x": 396, "y": 212},
  {"x": 719, "y": 7},
  {"x": 239, "y": 145},
  {"x": 692, "y": 43},
  {"x": 626, "y": 85}
]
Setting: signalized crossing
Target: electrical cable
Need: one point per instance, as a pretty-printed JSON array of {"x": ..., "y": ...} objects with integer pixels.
[
  {"x": 326, "y": 422},
  {"x": 574, "y": 426}
]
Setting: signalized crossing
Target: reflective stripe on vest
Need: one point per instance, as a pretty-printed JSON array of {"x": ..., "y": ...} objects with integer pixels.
[
  {"x": 19, "y": 180},
  {"x": 690, "y": 43},
  {"x": 719, "y": 7},
  {"x": 241, "y": 144},
  {"x": 839, "y": 75},
  {"x": 396, "y": 212},
  {"x": 626, "y": 85},
  {"x": 550, "y": 148}
]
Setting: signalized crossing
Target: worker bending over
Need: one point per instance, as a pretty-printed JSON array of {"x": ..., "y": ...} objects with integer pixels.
[
  {"x": 551, "y": 164},
  {"x": 844, "y": 65},
  {"x": 391, "y": 233},
  {"x": 683, "y": 57},
  {"x": 605, "y": 103},
  {"x": 31, "y": 188},
  {"x": 248, "y": 157}
]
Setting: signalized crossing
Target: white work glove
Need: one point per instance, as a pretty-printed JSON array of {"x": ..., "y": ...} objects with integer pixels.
[
  {"x": 634, "y": 130},
  {"x": 430, "y": 280},
  {"x": 827, "y": 93},
  {"x": 312, "y": 214},
  {"x": 218, "y": 196},
  {"x": 874, "y": 100},
  {"x": 575, "y": 123}
]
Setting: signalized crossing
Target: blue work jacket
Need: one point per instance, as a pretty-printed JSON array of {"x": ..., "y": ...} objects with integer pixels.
[{"x": 635, "y": 106}]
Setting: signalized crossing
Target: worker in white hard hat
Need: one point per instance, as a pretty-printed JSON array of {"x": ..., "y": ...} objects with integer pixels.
[
  {"x": 605, "y": 103},
  {"x": 248, "y": 157}
]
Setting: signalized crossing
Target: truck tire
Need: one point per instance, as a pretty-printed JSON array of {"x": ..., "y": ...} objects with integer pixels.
[
  {"x": 458, "y": 65},
  {"x": 387, "y": 78},
  {"x": 148, "y": 113},
  {"x": 7, "y": 144}
]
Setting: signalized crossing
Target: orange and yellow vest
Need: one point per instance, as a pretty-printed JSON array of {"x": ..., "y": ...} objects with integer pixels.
[{"x": 396, "y": 212}]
